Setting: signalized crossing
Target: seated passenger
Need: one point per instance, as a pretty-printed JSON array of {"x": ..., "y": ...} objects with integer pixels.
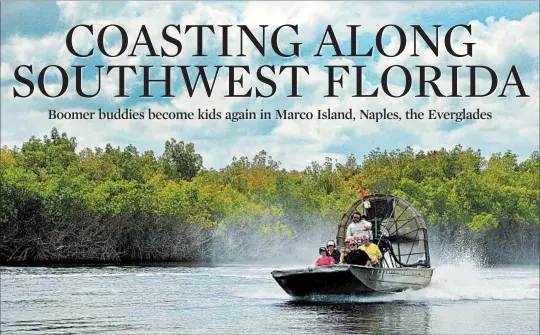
[
  {"x": 371, "y": 249},
  {"x": 325, "y": 259},
  {"x": 355, "y": 228},
  {"x": 367, "y": 227},
  {"x": 348, "y": 240},
  {"x": 334, "y": 253},
  {"x": 356, "y": 256}
]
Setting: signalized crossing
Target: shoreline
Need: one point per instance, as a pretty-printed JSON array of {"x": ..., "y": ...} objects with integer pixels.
[
  {"x": 171, "y": 264},
  {"x": 98, "y": 264}
]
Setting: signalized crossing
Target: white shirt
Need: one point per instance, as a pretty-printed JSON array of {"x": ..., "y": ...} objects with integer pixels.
[
  {"x": 369, "y": 233},
  {"x": 355, "y": 229}
]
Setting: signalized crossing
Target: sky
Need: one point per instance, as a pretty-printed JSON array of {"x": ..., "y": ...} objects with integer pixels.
[{"x": 505, "y": 35}]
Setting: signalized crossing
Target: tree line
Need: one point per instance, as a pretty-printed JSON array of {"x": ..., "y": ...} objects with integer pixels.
[{"x": 116, "y": 204}]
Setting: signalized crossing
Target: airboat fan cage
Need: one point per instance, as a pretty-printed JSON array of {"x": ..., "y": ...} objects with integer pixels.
[{"x": 397, "y": 227}]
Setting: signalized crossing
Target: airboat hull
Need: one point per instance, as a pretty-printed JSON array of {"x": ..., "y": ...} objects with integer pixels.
[{"x": 351, "y": 280}]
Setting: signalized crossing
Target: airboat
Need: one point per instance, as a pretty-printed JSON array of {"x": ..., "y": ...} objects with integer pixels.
[{"x": 400, "y": 232}]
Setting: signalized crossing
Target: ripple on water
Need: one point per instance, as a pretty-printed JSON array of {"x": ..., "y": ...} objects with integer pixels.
[{"x": 240, "y": 299}]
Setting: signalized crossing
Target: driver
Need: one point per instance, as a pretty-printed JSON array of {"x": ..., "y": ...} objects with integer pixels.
[{"x": 355, "y": 228}]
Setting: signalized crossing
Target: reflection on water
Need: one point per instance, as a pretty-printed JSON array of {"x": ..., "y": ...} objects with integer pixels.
[{"x": 353, "y": 317}]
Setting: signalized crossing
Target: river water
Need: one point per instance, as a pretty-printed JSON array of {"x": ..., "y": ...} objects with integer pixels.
[{"x": 245, "y": 299}]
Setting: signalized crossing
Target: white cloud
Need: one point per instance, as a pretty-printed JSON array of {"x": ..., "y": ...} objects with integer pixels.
[
  {"x": 500, "y": 43},
  {"x": 32, "y": 51},
  {"x": 6, "y": 72}
]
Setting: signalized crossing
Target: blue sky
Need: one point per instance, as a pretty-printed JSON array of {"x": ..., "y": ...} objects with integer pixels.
[{"x": 505, "y": 34}]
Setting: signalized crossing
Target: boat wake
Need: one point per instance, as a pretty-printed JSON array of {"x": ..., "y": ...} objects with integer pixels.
[{"x": 452, "y": 283}]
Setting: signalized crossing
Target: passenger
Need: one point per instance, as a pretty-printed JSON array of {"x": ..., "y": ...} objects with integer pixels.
[
  {"x": 348, "y": 240},
  {"x": 355, "y": 228},
  {"x": 325, "y": 259},
  {"x": 367, "y": 227},
  {"x": 334, "y": 253},
  {"x": 372, "y": 250},
  {"x": 356, "y": 256}
]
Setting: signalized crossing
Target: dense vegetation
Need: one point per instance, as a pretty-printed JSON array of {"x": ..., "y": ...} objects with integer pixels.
[{"x": 111, "y": 204}]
